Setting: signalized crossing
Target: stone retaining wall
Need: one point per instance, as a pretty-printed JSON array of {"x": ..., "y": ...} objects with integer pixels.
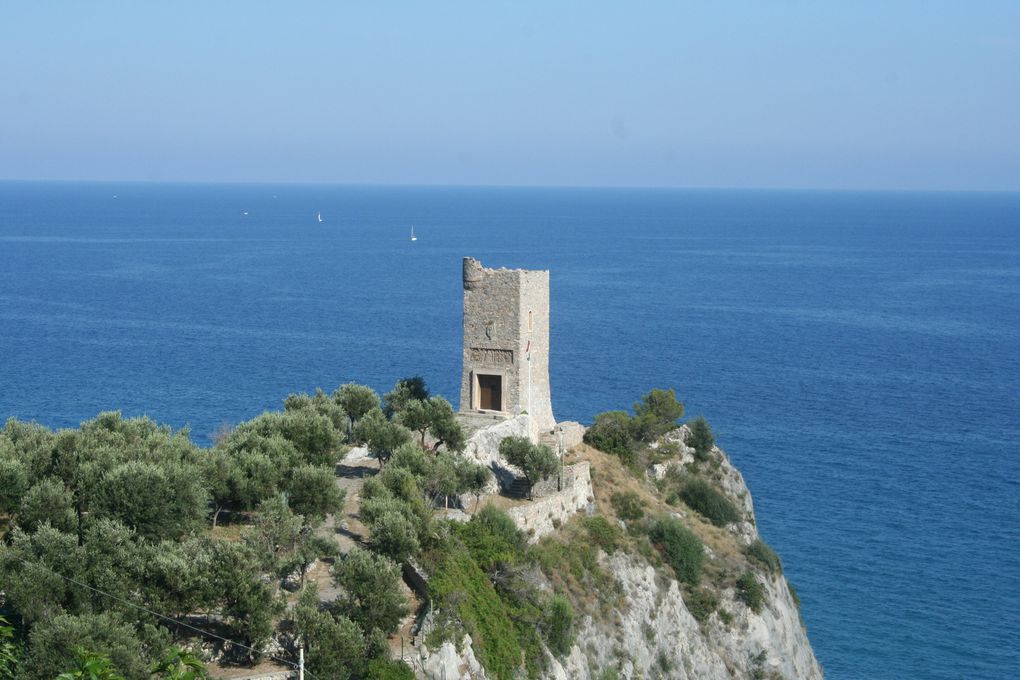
[{"x": 543, "y": 515}]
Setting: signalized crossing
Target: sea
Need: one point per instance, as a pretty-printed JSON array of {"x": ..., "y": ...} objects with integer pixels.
[{"x": 856, "y": 353}]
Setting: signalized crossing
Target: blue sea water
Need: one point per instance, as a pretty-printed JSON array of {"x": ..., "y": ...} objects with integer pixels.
[{"x": 858, "y": 354}]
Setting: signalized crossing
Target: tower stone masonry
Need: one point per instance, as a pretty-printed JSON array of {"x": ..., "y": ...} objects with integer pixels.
[{"x": 506, "y": 343}]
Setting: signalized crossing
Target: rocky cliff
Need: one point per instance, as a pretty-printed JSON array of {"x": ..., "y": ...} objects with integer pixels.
[{"x": 634, "y": 618}]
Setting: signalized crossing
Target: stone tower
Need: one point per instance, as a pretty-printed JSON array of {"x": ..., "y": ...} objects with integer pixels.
[{"x": 506, "y": 343}]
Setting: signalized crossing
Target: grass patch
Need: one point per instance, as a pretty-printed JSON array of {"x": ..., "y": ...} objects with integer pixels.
[
  {"x": 751, "y": 592},
  {"x": 602, "y": 533},
  {"x": 569, "y": 559},
  {"x": 760, "y": 553},
  {"x": 701, "y": 603},
  {"x": 628, "y": 505}
]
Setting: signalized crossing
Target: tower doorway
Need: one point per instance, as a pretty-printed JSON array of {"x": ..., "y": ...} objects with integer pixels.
[{"x": 490, "y": 392}]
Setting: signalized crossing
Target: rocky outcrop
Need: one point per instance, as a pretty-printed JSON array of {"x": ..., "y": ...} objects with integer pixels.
[
  {"x": 449, "y": 662},
  {"x": 650, "y": 632},
  {"x": 655, "y": 635},
  {"x": 483, "y": 444}
]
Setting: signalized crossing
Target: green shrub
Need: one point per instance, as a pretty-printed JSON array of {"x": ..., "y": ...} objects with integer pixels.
[
  {"x": 664, "y": 663},
  {"x": 681, "y": 549},
  {"x": 666, "y": 450},
  {"x": 656, "y": 414},
  {"x": 761, "y": 553},
  {"x": 628, "y": 505},
  {"x": 751, "y": 592},
  {"x": 701, "y": 439},
  {"x": 612, "y": 432},
  {"x": 558, "y": 626},
  {"x": 701, "y": 603},
  {"x": 709, "y": 502},
  {"x": 602, "y": 533},
  {"x": 387, "y": 669},
  {"x": 10, "y": 651},
  {"x": 458, "y": 585},
  {"x": 492, "y": 538}
]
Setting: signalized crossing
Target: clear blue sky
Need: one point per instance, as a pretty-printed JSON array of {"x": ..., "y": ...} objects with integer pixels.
[{"x": 805, "y": 94}]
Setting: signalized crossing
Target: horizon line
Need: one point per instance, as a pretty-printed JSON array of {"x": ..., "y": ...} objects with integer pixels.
[{"x": 441, "y": 185}]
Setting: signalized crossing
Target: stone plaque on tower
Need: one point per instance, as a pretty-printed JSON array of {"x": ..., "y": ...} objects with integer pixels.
[{"x": 506, "y": 343}]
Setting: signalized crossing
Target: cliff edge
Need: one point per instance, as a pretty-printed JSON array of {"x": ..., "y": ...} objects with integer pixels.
[{"x": 641, "y": 610}]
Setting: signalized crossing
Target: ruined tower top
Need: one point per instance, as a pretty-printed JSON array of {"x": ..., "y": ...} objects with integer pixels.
[{"x": 506, "y": 343}]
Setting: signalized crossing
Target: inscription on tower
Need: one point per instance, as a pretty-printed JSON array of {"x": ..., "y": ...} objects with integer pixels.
[{"x": 495, "y": 357}]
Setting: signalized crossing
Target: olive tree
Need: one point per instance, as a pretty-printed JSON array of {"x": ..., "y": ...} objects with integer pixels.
[
  {"x": 380, "y": 435},
  {"x": 356, "y": 400},
  {"x": 371, "y": 594},
  {"x": 313, "y": 493},
  {"x": 536, "y": 462},
  {"x": 156, "y": 501},
  {"x": 13, "y": 484},
  {"x": 472, "y": 478},
  {"x": 47, "y": 501},
  {"x": 57, "y": 640},
  {"x": 406, "y": 390},
  {"x": 321, "y": 403},
  {"x": 334, "y": 642}
]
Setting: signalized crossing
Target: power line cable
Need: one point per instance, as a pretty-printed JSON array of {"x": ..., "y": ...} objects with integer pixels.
[{"x": 157, "y": 614}]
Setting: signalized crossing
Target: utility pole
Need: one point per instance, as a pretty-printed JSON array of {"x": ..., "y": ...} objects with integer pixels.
[
  {"x": 531, "y": 413},
  {"x": 559, "y": 451},
  {"x": 301, "y": 662}
]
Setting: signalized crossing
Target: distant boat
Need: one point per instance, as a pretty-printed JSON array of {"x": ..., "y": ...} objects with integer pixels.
[
  {"x": 318, "y": 216},
  {"x": 245, "y": 213},
  {"x": 413, "y": 237}
]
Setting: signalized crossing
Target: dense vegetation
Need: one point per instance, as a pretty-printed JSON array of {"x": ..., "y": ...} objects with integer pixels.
[
  {"x": 128, "y": 551},
  {"x": 120, "y": 534},
  {"x": 629, "y": 436}
]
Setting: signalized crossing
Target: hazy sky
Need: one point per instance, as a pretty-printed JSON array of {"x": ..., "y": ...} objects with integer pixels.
[{"x": 726, "y": 94}]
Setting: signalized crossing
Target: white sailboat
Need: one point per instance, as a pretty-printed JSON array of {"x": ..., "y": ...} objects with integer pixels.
[
  {"x": 318, "y": 216},
  {"x": 413, "y": 237}
]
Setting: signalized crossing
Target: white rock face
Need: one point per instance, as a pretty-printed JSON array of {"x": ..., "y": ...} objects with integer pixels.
[
  {"x": 656, "y": 636},
  {"x": 447, "y": 662},
  {"x": 652, "y": 634},
  {"x": 483, "y": 444}
]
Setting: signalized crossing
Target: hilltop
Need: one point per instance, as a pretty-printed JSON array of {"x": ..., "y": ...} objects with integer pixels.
[{"x": 389, "y": 539}]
